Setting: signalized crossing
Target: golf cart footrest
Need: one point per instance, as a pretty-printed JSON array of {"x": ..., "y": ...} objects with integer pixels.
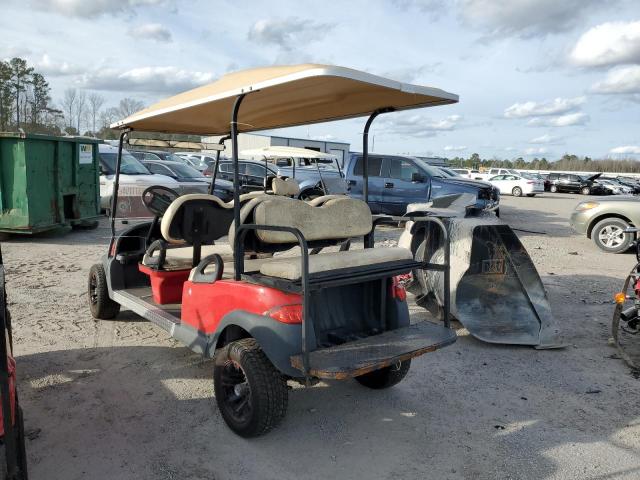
[{"x": 372, "y": 353}]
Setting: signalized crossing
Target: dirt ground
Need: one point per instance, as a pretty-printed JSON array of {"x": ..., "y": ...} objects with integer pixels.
[{"x": 119, "y": 399}]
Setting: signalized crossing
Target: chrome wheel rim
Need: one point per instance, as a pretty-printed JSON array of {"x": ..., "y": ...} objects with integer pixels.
[{"x": 611, "y": 236}]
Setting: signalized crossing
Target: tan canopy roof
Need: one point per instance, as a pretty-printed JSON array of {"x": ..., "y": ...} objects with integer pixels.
[{"x": 282, "y": 96}]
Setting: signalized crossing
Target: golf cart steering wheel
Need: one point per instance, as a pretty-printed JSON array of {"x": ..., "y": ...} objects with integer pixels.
[{"x": 157, "y": 199}]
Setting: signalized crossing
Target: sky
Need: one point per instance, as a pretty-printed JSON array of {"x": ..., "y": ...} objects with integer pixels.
[{"x": 536, "y": 78}]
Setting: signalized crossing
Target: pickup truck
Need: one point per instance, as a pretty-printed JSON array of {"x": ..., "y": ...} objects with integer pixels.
[
  {"x": 493, "y": 172},
  {"x": 396, "y": 181}
]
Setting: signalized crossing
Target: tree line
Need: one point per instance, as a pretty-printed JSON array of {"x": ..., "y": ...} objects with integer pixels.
[
  {"x": 568, "y": 162},
  {"x": 26, "y": 104}
]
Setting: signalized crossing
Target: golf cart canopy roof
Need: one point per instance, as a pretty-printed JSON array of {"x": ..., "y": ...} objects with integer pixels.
[
  {"x": 282, "y": 96},
  {"x": 285, "y": 152}
]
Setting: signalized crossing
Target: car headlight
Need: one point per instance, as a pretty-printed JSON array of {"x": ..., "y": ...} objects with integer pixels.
[{"x": 583, "y": 206}]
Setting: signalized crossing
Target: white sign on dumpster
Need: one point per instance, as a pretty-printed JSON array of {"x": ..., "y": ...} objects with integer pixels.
[{"x": 86, "y": 153}]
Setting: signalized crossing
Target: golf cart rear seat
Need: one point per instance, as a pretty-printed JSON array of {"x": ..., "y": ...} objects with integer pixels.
[{"x": 334, "y": 221}]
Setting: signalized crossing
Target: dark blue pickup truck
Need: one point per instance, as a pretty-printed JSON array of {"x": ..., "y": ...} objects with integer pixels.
[{"x": 396, "y": 181}]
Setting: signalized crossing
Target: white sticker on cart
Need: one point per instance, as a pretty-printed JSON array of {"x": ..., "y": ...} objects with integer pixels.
[{"x": 86, "y": 153}]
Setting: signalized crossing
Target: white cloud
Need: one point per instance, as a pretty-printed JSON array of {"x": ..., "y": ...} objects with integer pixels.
[
  {"x": 546, "y": 139},
  {"x": 627, "y": 149},
  {"x": 288, "y": 33},
  {"x": 93, "y": 8},
  {"x": 556, "y": 106},
  {"x": 47, "y": 66},
  {"x": 454, "y": 148},
  {"x": 570, "y": 119},
  {"x": 524, "y": 18},
  {"x": 166, "y": 80},
  {"x": 620, "y": 80},
  {"x": 536, "y": 151},
  {"x": 152, "y": 31},
  {"x": 417, "y": 125},
  {"x": 611, "y": 43}
]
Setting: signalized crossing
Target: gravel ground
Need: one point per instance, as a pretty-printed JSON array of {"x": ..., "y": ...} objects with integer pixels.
[{"x": 118, "y": 399}]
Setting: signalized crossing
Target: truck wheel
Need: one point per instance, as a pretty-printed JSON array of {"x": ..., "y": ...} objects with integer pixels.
[
  {"x": 516, "y": 192},
  {"x": 385, "y": 377},
  {"x": 585, "y": 190},
  {"x": 553, "y": 189},
  {"x": 102, "y": 307},
  {"x": 609, "y": 236},
  {"x": 251, "y": 394}
]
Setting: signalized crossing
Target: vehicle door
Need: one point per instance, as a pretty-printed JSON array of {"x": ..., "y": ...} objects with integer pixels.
[
  {"x": 511, "y": 181},
  {"x": 575, "y": 183},
  {"x": 225, "y": 170},
  {"x": 376, "y": 181},
  {"x": 405, "y": 183}
]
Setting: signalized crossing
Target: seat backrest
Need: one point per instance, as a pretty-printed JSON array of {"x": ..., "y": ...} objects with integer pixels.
[
  {"x": 335, "y": 220},
  {"x": 196, "y": 218},
  {"x": 285, "y": 187}
]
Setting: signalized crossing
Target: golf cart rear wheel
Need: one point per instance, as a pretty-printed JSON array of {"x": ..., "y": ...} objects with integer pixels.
[
  {"x": 517, "y": 192},
  {"x": 385, "y": 377},
  {"x": 251, "y": 394},
  {"x": 609, "y": 236},
  {"x": 102, "y": 307}
]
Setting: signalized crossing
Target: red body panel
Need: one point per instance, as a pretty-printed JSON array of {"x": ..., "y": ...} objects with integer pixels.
[
  {"x": 12, "y": 393},
  {"x": 166, "y": 286},
  {"x": 204, "y": 304}
]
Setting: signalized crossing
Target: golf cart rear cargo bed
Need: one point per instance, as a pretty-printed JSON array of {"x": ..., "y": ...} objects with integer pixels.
[{"x": 362, "y": 356}]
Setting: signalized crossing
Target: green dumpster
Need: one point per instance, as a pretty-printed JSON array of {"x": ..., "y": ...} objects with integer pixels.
[{"x": 48, "y": 182}]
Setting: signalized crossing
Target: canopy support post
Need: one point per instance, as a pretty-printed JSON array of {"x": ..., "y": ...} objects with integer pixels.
[
  {"x": 212, "y": 185},
  {"x": 116, "y": 183},
  {"x": 236, "y": 180},
  {"x": 365, "y": 151}
]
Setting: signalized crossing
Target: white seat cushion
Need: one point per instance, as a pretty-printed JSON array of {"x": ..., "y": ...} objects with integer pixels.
[{"x": 290, "y": 267}]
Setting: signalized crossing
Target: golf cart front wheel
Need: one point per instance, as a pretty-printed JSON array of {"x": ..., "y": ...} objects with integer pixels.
[
  {"x": 385, "y": 377},
  {"x": 101, "y": 306},
  {"x": 251, "y": 394}
]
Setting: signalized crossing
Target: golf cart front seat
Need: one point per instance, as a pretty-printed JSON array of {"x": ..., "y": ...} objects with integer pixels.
[
  {"x": 181, "y": 255},
  {"x": 335, "y": 221}
]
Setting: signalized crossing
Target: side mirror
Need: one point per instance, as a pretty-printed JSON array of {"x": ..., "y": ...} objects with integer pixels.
[{"x": 417, "y": 177}]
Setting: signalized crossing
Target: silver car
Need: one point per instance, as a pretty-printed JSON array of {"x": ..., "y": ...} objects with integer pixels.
[{"x": 605, "y": 221}]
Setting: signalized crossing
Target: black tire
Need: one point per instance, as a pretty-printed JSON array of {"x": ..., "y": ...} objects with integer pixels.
[
  {"x": 585, "y": 190},
  {"x": 608, "y": 237},
  {"x": 251, "y": 394},
  {"x": 385, "y": 377},
  {"x": 516, "y": 192},
  {"x": 101, "y": 306},
  {"x": 20, "y": 441},
  {"x": 531, "y": 194},
  {"x": 553, "y": 189},
  {"x": 497, "y": 212}
]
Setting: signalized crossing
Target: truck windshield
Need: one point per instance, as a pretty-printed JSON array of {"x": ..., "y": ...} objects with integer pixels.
[
  {"x": 130, "y": 165},
  {"x": 430, "y": 169}
]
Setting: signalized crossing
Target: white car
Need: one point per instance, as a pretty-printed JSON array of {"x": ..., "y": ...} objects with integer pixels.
[
  {"x": 466, "y": 172},
  {"x": 197, "y": 160},
  {"x": 135, "y": 178},
  {"x": 517, "y": 185}
]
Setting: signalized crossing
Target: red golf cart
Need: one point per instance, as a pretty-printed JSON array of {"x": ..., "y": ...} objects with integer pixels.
[{"x": 267, "y": 284}]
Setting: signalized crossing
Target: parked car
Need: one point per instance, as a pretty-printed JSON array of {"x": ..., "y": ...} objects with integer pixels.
[
  {"x": 134, "y": 176},
  {"x": 492, "y": 172},
  {"x": 199, "y": 161},
  {"x": 517, "y": 185},
  {"x": 317, "y": 173},
  {"x": 251, "y": 173},
  {"x": 190, "y": 179},
  {"x": 630, "y": 182},
  {"x": 572, "y": 183},
  {"x": 614, "y": 187},
  {"x": 466, "y": 172},
  {"x": 396, "y": 181},
  {"x": 605, "y": 220}
]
